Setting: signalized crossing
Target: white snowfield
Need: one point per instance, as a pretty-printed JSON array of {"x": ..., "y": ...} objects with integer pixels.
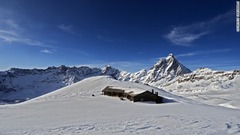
[
  {"x": 207, "y": 86},
  {"x": 73, "y": 110}
]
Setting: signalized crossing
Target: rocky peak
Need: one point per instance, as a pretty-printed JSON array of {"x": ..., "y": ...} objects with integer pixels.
[
  {"x": 166, "y": 67},
  {"x": 170, "y": 56},
  {"x": 108, "y": 70}
]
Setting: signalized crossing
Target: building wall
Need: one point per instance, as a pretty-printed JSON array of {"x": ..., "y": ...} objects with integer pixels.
[
  {"x": 147, "y": 96},
  {"x": 113, "y": 92}
]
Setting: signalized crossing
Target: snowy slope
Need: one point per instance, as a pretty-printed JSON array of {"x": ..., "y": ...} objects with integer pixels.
[
  {"x": 205, "y": 85},
  {"x": 22, "y": 84},
  {"x": 72, "y": 110},
  {"x": 95, "y": 85}
]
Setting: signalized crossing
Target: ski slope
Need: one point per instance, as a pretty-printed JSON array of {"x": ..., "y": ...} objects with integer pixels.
[{"x": 73, "y": 110}]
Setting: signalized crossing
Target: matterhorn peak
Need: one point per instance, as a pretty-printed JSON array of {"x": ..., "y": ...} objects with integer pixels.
[
  {"x": 166, "y": 67},
  {"x": 170, "y": 56}
]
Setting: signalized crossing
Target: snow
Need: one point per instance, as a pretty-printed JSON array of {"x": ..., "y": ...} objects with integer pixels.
[
  {"x": 72, "y": 110},
  {"x": 203, "y": 85},
  {"x": 207, "y": 86},
  {"x": 164, "y": 70},
  {"x": 201, "y": 102},
  {"x": 129, "y": 89},
  {"x": 22, "y": 84},
  {"x": 228, "y": 106}
]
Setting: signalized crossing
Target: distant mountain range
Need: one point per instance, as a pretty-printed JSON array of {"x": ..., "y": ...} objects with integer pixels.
[
  {"x": 168, "y": 73},
  {"x": 23, "y": 84}
]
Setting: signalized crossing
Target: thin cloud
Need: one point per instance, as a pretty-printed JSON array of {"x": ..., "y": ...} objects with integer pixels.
[
  {"x": 14, "y": 37},
  {"x": 180, "y": 36},
  {"x": 11, "y": 32},
  {"x": 47, "y": 51},
  {"x": 12, "y": 24},
  {"x": 66, "y": 28},
  {"x": 202, "y": 52},
  {"x": 185, "y": 35}
]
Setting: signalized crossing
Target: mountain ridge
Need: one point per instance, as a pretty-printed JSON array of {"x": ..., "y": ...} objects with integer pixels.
[
  {"x": 167, "y": 73},
  {"x": 22, "y": 84}
]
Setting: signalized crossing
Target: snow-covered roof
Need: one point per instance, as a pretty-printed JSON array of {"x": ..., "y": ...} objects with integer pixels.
[{"x": 133, "y": 91}]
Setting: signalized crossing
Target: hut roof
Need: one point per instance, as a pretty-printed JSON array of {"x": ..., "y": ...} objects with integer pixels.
[
  {"x": 111, "y": 89},
  {"x": 129, "y": 90}
]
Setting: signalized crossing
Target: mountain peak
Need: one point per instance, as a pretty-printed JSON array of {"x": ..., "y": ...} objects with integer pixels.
[
  {"x": 166, "y": 67},
  {"x": 170, "y": 55},
  {"x": 109, "y": 70}
]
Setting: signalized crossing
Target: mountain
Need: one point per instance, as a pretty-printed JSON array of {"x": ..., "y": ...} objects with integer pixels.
[
  {"x": 22, "y": 84},
  {"x": 207, "y": 86},
  {"x": 73, "y": 110},
  {"x": 204, "y": 85},
  {"x": 165, "y": 69},
  {"x": 168, "y": 73}
]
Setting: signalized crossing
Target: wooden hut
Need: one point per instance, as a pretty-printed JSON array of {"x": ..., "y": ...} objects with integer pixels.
[
  {"x": 133, "y": 94},
  {"x": 144, "y": 96},
  {"x": 111, "y": 91}
]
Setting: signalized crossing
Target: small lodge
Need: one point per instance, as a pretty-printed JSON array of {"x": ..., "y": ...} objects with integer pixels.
[{"x": 133, "y": 94}]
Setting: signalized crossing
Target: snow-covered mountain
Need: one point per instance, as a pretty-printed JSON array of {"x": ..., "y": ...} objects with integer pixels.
[
  {"x": 203, "y": 79},
  {"x": 168, "y": 73},
  {"x": 164, "y": 70},
  {"x": 205, "y": 85},
  {"x": 22, "y": 84},
  {"x": 73, "y": 110},
  {"x": 208, "y": 86}
]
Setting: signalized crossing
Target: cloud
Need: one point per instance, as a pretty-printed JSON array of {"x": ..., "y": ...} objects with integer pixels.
[
  {"x": 181, "y": 36},
  {"x": 66, "y": 28},
  {"x": 14, "y": 37},
  {"x": 47, "y": 51},
  {"x": 185, "y": 35},
  {"x": 12, "y": 24},
  {"x": 11, "y": 32},
  {"x": 202, "y": 52}
]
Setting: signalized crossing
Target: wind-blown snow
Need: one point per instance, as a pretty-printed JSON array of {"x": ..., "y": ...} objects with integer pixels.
[{"x": 73, "y": 110}]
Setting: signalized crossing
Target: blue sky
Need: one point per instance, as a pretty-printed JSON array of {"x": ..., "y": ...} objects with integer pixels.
[{"x": 127, "y": 34}]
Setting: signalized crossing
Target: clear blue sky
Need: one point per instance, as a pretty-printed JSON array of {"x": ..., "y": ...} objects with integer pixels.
[{"x": 127, "y": 34}]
